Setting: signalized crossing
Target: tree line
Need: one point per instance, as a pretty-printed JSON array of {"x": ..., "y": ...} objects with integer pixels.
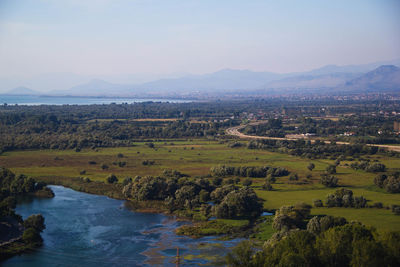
[
  {"x": 248, "y": 171},
  {"x": 318, "y": 149}
]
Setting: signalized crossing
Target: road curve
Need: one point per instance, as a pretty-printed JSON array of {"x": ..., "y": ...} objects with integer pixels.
[{"x": 235, "y": 131}]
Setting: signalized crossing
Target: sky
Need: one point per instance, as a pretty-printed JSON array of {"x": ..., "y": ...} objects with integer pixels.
[{"x": 115, "y": 37}]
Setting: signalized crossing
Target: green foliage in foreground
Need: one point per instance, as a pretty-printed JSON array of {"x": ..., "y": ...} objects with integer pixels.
[
  {"x": 347, "y": 245},
  {"x": 319, "y": 241}
]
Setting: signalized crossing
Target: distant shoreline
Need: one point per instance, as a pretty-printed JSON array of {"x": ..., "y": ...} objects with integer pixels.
[{"x": 32, "y": 100}]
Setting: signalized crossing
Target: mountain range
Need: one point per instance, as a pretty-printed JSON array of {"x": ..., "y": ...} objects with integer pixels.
[
  {"x": 384, "y": 78},
  {"x": 355, "y": 78},
  {"x": 22, "y": 91}
]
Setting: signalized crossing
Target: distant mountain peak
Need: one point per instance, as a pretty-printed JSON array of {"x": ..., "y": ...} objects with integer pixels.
[
  {"x": 383, "y": 78},
  {"x": 22, "y": 90},
  {"x": 385, "y": 69}
]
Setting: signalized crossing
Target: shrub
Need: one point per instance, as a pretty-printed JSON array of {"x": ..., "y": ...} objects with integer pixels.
[
  {"x": 318, "y": 203},
  {"x": 148, "y": 162},
  {"x": 376, "y": 167},
  {"x": 104, "y": 166},
  {"x": 379, "y": 180},
  {"x": 331, "y": 169},
  {"x": 267, "y": 186},
  {"x": 360, "y": 202},
  {"x": 392, "y": 184},
  {"x": 396, "y": 209},
  {"x": 378, "y": 205},
  {"x": 112, "y": 179},
  {"x": 247, "y": 182},
  {"x": 329, "y": 180},
  {"x": 311, "y": 166},
  {"x": 150, "y": 145},
  {"x": 121, "y": 164},
  {"x": 126, "y": 181},
  {"x": 235, "y": 144}
]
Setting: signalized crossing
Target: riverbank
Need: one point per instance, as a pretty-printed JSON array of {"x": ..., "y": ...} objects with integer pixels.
[
  {"x": 92, "y": 230},
  {"x": 86, "y": 186},
  {"x": 199, "y": 225}
]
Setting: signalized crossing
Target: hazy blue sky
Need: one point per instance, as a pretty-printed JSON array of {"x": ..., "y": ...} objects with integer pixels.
[{"x": 197, "y": 36}]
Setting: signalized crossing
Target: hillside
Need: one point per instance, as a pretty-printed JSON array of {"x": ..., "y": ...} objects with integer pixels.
[{"x": 385, "y": 78}]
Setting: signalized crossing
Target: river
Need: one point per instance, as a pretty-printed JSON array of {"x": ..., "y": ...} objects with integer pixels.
[{"x": 91, "y": 230}]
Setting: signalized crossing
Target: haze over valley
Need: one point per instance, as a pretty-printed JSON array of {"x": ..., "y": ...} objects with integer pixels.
[{"x": 377, "y": 77}]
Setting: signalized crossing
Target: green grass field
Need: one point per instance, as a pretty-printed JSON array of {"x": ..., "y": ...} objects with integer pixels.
[{"x": 196, "y": 157}]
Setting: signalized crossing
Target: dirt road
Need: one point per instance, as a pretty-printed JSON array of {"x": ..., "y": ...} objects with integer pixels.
[{"x": 236, "y": 132}]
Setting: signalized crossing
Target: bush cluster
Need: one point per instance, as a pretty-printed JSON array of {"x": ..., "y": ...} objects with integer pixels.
[
  {"x": 368, "y": 166},
  {"x": 391, "y": 183},
  {"x": 247, "y": 171},
  {"x": 344, "y": 198}
]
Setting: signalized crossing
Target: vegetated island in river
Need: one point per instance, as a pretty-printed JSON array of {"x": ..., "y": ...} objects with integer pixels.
[
  {"x": 17, "y": 235},
  {"x": 215, "y": 207}
]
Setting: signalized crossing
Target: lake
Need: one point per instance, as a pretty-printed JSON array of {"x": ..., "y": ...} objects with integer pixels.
[
  {"x": 70, "y": 100},
  {"x": 91, "y": 230}
]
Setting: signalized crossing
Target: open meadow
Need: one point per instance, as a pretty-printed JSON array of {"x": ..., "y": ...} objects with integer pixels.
[{"x": 196, "y": 157}]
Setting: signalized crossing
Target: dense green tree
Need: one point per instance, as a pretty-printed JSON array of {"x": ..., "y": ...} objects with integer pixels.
[
  {"x": 344, "y": 246},
  {"x": 376, "y": 167},
  {"x": 331, "y": 169},
  {"x": 111, "y": 179},
  {"x": 291, "y": 217},
  {"x": 317, "y": 225},
  {"x": 31, "y": 236},
  {"x": 220, "y": 192},
  {"x": 329, "y": 180},
  {"x": 242, "y": 255},
  {"x": 242, "y": 203},
  {"x": 295, "y": 250},
  {"x": 36, "y": 222}
]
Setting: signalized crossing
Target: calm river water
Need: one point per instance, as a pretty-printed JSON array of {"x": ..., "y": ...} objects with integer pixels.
[{"x": 90, "y": 230}]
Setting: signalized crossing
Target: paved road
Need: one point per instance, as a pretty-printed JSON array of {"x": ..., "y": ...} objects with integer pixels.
[{"x": 235, "y": 131}]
